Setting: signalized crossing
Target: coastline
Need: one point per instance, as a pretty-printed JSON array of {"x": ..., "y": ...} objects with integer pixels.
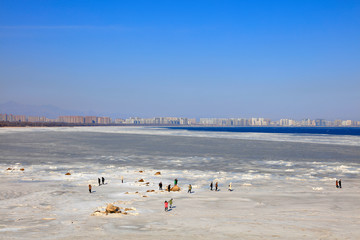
[
  {"x": 282, "y": 190},
  {"x": 34, "y": 206}
]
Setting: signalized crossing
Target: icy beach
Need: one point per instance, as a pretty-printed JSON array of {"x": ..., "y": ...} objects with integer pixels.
[{"x": 283, "y": 187}]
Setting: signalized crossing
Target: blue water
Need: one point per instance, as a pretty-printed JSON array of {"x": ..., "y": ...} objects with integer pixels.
[{"x": 298, "y": 130}]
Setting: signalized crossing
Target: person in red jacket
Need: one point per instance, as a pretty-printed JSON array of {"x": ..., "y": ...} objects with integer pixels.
[
  {"x": 89, "y": 188},
  {"x": 166, "y": 206}
]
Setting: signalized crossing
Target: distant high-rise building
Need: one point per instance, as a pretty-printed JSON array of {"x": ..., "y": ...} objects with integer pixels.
[
  {"x": 19, "y": 118},
  {"x": 34, "y": 119},
  {"x": 90, "y": 119},
  {"x": 71, "y": 119},
  {"x": 320, "y": 122}
]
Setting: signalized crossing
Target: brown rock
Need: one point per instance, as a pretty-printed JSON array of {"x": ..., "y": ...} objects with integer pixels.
[
  {"x": 22, "y": 169},
  {"x": 9, "y": 169},
  {"x": 112, "y": 209},
  {"x": 141, "y": 180},
  {"x": 127, "y": 193},
  {"x": 145, "y": 196},
  {"x": 150, "y": 191},
  {"x": 158, "y": 173},
  {"x": 141, "y": 171},
  {"x": 175, "y": 188},
  {"x": 68, "y": 173}
]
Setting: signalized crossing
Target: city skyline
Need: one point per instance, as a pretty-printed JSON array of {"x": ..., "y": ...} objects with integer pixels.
[
  {"x": 283, "y": 59},
  {"x": 53, "y": 113},
  {"x": 176, "y": 121}
]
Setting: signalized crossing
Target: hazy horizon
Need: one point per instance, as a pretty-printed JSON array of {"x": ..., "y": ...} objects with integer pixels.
[{"x": 283, "y": 59}]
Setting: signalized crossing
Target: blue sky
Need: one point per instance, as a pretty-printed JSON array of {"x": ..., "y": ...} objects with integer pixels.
[{"x": 273, "y": 59}]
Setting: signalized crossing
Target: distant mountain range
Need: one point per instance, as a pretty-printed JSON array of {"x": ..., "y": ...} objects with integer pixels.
[{"x": 48, "y": 111}]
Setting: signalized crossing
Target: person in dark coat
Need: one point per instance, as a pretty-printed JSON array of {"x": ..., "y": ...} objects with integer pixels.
[
  {"x": 103, "y": 180},
  {"x": 211, "y": 186},
  {"x": 169, "y": 187},
  {"x": 160, "y": 185},
  {"x": 99, "y": 181},
  {"x": 339, "y": 183},
  {"x": 89, "y": 188}
]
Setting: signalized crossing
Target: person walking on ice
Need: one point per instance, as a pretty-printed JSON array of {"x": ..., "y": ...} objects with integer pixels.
[
  {"x": 211, "y": 186},
  {"x": 89, "y": 188},
  {"x": 230, "y": 188},
  {"x": 216, "y": 186},
  {"x": 339, "y": 183},
  {"x": 122, "y": 179},
  {"x": 166, "y": 206},
  {"x": 171, "y": 202},
  {"x": 99, "y": 181},
  {"x": 103, "y": 180},
  {"x": 190, "y": 188}
]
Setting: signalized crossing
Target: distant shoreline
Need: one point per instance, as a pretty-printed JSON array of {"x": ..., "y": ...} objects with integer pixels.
[{"x": 62, "y": 124}]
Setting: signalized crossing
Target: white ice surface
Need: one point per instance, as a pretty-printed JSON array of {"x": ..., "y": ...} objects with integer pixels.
[
  {"x": 282, "y": 137},
  {"x": 42, "y": 203}
]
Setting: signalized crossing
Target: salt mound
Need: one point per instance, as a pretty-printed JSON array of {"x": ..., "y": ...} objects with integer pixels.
[{"x": 175, "y": 188}]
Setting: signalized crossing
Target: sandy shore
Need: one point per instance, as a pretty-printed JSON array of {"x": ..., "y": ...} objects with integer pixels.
[{"x": 43, "y": 203}]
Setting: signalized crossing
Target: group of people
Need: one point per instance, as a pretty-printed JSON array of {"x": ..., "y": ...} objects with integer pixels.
[
  {"x": 217, "y": 186},
  {"x": 338, "y": 183},
  {"x": 166, "y": 203},
  {"x": 168, "y": 188},
  {"x": 102, "y": 180}
]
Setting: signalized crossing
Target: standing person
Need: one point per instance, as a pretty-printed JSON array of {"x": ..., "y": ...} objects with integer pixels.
[
  {"x": 169, "y": 187},
  {"x": 175, "y": 181},
  {"x": 99, "y": 181},
  {"x": 89, "y": 188},
  {"x": 216, "y": 186},
  {"x": 122, "y": 179},
  {"x": 190, "y": 188},
  {"x": 339, "y": 183},
  {"x": 160, "y": 185},
  {"x": 171, "y": 202},
  {"x": 103, "y": 180},
  {"x": 166, "y": 206},
  {"x": 230, "y": 189},
  {"x": 211, "y": 186}
]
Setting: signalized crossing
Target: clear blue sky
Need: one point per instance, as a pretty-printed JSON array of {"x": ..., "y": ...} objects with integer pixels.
[{"x": 273, "y": 59}]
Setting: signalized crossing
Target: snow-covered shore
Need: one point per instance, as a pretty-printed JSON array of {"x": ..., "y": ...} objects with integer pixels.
[{"x": 42, "y": 202}]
